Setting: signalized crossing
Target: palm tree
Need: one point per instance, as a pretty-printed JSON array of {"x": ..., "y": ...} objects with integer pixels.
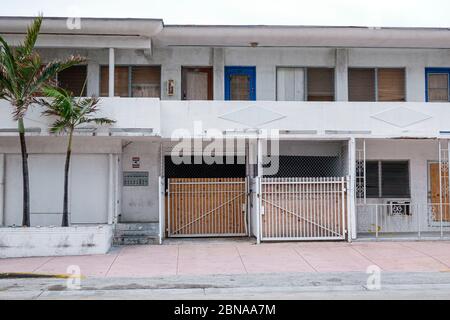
[
  {"x": 69, "y": 113},
  {"x": 22, "y": 77}
]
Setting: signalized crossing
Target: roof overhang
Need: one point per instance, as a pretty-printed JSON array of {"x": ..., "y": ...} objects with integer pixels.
[
  {"x": 303, "y": 36},
  {"x": 85, "y": 32}
]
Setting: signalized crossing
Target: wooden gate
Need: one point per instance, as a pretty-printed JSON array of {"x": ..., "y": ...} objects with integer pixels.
[
  {"x": 214, "y": 207},
  {"x": 303, "y": 208}
]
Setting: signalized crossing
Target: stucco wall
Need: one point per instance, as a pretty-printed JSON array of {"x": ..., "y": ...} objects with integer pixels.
[
  {"x": 141, "y": 204},
  {"x": 266, "y": 60}
]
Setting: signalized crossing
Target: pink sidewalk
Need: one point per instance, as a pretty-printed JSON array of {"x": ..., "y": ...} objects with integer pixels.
[{"x": 238, "y": 257}]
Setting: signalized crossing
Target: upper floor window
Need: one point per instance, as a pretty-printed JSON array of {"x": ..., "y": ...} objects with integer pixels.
[
  {"x": 300, "y": 84},
  {"x": 377, "y": 84},
  {"x": 240, "y": 83},
  {"x": 437, "y": 84},
  {"x": 132, "y": 81},
  {"x": 73, "y": 79}
]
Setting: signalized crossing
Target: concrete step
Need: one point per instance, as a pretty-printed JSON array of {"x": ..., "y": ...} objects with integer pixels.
[
  {"x": 136, "y": 234},
  {"x": 151, "y": 226},
  {"x": 127, "y": 240}
]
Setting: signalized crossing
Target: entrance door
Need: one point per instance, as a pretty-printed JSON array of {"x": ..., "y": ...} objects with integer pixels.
[
  {"x": 240, "y": 83},
  {"x": 439, "y": 196},
  {"x": 197, "y": 83}
]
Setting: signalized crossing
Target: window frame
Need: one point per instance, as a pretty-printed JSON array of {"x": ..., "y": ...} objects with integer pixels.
[
  {"x": 433, "y": 70},
  {"x": 305, "y": 81},
  {"x": 380, "y": 179},
  {"x": 376, "y": 69},
  {"x": 130, "y": 79}
]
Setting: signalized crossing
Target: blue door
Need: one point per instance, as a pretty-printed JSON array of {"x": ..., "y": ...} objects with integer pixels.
[{"x": 240, "y": 83}]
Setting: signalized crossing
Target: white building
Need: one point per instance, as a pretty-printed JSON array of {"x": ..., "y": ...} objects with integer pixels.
[{"x": 362, "y": 116}]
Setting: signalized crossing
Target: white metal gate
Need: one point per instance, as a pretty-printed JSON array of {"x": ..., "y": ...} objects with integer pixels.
[
  {"x": 212, "y": 207},
  {"x": 303, "y": 208}
]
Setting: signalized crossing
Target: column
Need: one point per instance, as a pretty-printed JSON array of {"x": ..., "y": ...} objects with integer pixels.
[
  {"x": 351, "y": 190},
  {"x": 219, "y": 70},
  {"x": 111, "y": 72},
  {"x": 341, "y": 74}
]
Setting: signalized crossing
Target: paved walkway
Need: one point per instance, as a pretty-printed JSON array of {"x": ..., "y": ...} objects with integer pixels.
[{"x": 207, "y": 257}]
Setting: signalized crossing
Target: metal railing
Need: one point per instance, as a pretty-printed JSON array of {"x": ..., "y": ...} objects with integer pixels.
[
  {"x": 303, "y": 208},
  {"x": 399, "y": 219}
]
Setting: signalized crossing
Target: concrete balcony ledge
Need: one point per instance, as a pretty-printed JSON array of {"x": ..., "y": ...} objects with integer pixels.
[
  {"x": 130, "y": 114},
  {"x": 55, "y": 241}
]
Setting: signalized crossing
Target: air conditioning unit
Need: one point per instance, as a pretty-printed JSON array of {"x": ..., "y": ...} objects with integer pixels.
[{"x": 398, "y": 208}]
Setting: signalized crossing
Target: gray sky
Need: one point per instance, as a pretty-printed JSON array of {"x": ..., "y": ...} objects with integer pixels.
[{"x": 395, "y": 13}]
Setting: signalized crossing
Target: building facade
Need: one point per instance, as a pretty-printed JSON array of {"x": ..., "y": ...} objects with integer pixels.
[{"x": 311, "y": 133}]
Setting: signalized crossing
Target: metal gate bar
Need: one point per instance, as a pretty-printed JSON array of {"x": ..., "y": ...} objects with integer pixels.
[
  {"x": 210, "y": 207},
  {"x": 303, "y": 208}
]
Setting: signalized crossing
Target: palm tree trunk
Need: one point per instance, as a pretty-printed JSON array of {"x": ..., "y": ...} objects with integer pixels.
[
  {"x": 25, "y": 175},
  {"x": 65, "y": 219}
]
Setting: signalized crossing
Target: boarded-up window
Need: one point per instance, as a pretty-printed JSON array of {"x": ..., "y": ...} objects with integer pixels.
[
  {"x": 391, "y": 85},
  {"x": 384, "y": 84},
  {"x": 73, "y": 79},
  {"x": 290, "y": 84},
  {"x": 320, "y": 84},
  {"x": 197, "y": 83},
  {"x": 146, "y": 82},
  {"x": 387, "y": 179},
  {"x": 240, "y": 87},
  {"x": 361, "y": 85},
  {"x": 132, "y": 81},
  {"x": 438, "y": 87}
]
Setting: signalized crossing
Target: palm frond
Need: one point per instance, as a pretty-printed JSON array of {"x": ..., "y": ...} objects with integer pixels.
[{"x": 31, "y": 37}]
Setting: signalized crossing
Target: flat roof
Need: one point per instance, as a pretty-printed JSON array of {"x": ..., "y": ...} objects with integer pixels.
[{"x": 240, "y": 35}]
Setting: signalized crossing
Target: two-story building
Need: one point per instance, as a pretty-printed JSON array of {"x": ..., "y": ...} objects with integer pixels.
[{"x": 355, "y": 121}]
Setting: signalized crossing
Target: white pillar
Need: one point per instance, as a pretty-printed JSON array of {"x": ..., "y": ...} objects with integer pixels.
[
  {"x": 111, "y": 72},
  {"x": 258, "y": 191},
  {"x": 111, "y": 190},
  {"x": 2, "y": 189},
  {"x": 351, "y": 190},
  {"x": 341, "y": 74},
  {"x": 219, "y": 73}
]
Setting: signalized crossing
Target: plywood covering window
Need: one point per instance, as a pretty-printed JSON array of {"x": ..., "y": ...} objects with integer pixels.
[
  {"x": 371, "y": 84},
  {"x": 132, "y": 81},
  {"x": 320, "y": 84},
  {"x": 73, "y": 79},
  {"x": 438, "y": 84},
  {"x": 387, "y": 179},
  {"x": 197, "y": 83}
]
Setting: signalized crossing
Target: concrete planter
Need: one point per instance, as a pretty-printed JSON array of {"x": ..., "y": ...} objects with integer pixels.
[{"x": 55, "y": 241}]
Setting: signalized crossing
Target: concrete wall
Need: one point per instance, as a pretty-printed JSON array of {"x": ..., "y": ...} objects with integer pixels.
[
  {"x": 141, "y": 204},
  {"x": 266, "y": 61}
]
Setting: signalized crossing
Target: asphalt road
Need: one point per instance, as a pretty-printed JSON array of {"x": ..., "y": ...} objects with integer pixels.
[{"x": 236, "y": 287}]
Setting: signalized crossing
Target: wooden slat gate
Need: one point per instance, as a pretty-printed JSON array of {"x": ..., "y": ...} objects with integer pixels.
[
  {"x": 213, "y": 207},
  {"x": 303, "y": 208}
]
